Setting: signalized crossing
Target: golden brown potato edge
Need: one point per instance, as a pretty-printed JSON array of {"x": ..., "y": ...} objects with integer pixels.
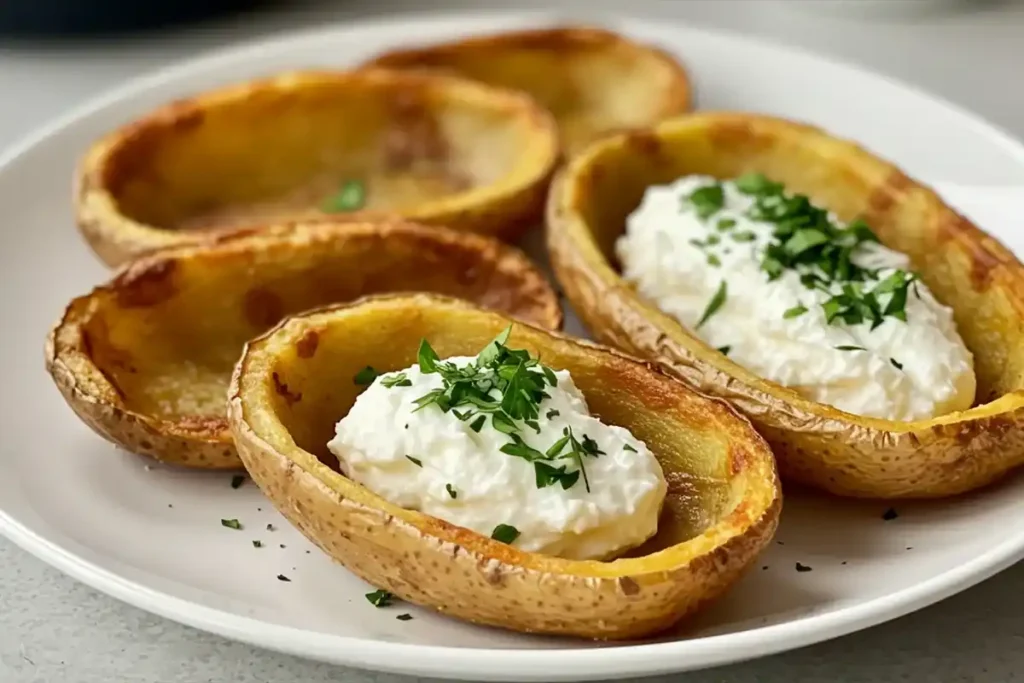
[
  {"x": 458, "y": 572},
  {"x": 167, "y": 329},
  {"x": 815, "y": 444}
]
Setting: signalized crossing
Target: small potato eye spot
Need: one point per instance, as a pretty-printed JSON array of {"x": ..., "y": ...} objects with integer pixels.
[
  {"x": 282, "y": 390},
  {"x": 306, "y": 347}
]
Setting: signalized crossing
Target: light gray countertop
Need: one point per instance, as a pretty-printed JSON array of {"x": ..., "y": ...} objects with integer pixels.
[{"x": 53, "y": 629}]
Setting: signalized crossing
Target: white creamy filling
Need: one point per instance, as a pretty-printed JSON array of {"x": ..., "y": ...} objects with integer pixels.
[
  {"x": 909, "y": 370},
  {"x": 431, "y": 461}
]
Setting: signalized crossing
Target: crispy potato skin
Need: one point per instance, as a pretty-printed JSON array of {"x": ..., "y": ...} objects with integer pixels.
[
  {"x": 815, "y": 444},
  {"x": 722, "y": 508},
  {"x": 430, "y": 148},
  {"x": 145, "y": 359},
  {"x": 581, "y": 74}
]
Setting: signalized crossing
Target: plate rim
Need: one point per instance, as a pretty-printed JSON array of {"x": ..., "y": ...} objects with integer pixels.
[{"x": 570, "y": 663}]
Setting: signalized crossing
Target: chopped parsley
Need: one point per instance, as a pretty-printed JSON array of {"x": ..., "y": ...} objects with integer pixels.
[
  {"x": 744, "y": 236},
  {"x": 271, "y": 527},
  {"x": 552, "y": 414},
  {"x": 724, "y": 350},
  {"x": 231, "y": 524},
  {"x": 726, "y": 224},
  {"x": 380, "y": 598},
  {"x": 404, "y": 617},
  {"x": 890, "y": 515},
  {"x": 396, "y": 380},
  {"x": 716, "y": 303},
  {"x": 451, "y": 491},
  {"x": 414, "y": 461},
  {"x": 365, "y": 377},
  {"x": 505, "y": 533},
  {"x": 708, "y": 200},
  {"x": 794, "y": 312},
  {"x": 257, "y": 544},
  {"x": 896, "y": 364},
  {"x": 351, "y": 197},
  {"x": 849, "y": 347},
  {"x": 282, "y": 577},
  {"x": 508, "y": 386},
  {"x": 803, "y": 568},
  {"x": 714, "y": 261},
  {"x": 237, "y": 481},
  {"x": 627, "y": 447}
]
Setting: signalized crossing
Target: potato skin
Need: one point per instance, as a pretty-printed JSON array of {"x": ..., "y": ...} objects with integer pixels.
[
  {"x": 815, "y": 444},
  {"x": 463, "y": 574},
  {"x": 104, "y": 353},
  {"x": 137, "y": 188},
  {"x": 582, "y": 74}
]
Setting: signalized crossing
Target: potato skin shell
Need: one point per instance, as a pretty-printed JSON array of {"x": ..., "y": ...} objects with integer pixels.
[
  {"x": 504, "y": 209},
  {"x": 816, "y": 445},
  {"x": 205, "y": 442},
  {"x": 429, "y": 562},
  {"x": 570, "y": 69}
]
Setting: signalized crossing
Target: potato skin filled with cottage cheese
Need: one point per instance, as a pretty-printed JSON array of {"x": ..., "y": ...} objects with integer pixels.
[
  {"x": 592, "y": 502},
  {"x": 895, "y": 355},
  {"x": 970, "y": 443},
  {"x": 720, "y": 509}
]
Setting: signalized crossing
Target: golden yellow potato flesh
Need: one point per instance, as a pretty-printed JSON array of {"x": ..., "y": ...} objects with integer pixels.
[
  {"x": 816, "y": 444},
  {"x": 721, "y": 509},
  {"x": 145, "y": 359},
  {"x": 594, "y": 81},
  {"x": 426, "y": 147}
]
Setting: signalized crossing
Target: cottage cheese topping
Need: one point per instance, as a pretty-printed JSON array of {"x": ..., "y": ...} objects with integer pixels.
[
  {"x": 432, "y": 461},
  {"x": 680, "y": 255}
]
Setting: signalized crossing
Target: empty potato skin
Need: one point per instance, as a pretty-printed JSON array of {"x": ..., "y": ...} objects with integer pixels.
[
  {"x": 593, "y": 80},
  {"x": 815, "y": 444},
  {"x": 145, "y": 359},
  {"x": 722, "y": 506},
  {"x": 428, "y": 148}
]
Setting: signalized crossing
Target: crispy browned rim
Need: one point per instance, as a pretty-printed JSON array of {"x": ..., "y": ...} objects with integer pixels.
[
  {"x": 205, "y": 442},
  {"x": 504, "y": 208},
  {"x": 677, "y": 99},
  {"x": 816, "y": 444},
  {"x": 459, "y": 572}
]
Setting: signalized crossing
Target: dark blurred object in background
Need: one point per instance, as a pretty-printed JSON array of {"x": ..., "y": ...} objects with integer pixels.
[{"x": 82, "y": 17}]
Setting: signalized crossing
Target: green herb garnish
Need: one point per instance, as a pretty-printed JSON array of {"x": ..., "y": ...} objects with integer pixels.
[
  {"x": 794, "y": 312},
  {"x": 396, "y": 380},
  {"x": 380, "y": 598},
  {"x": 505, "y": 533},
  {"x": 708, "y": 200},
  {"x": 257, "y": 544},
  {"x": 744, "y": 236},
  {"x": 552, "y": 414},
  {"x": 724, "y": 350},
  {"x": 714, "y": 261},
  {"x": 231, "y": 523},
  {"x": 756, "y": 183},
  {"x": 451, "y": 491},
  {"x": 896, "y": 364},
  {"x": 508, "y": 386},
  {"x": 237, "y": 481},
  {"x": 725, "y": 224},
  {"x": 365, "y": 377},
  {"x": 404, "y": 617},
  {"x": 849, "y": 347},
  {"x": 629, "y": 448},
  {"x": 351, "y": 197},
  {"x": 414, "y": 461},
  {"x": 716, "y": 303}
]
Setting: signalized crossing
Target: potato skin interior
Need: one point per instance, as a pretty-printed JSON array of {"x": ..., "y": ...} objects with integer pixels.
[
  {"x": 722, "y": 506},
  {"x": 816, "y": 444}
]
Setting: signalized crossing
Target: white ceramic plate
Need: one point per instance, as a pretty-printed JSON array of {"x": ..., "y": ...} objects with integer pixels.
[{"x": 151, "y": 536}]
